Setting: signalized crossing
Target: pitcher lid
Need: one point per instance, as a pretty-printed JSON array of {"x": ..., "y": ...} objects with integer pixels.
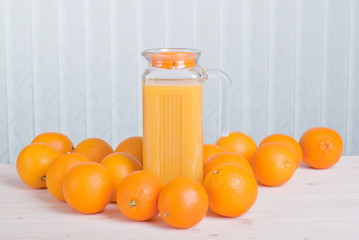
[{"x": 172, "y": 58}]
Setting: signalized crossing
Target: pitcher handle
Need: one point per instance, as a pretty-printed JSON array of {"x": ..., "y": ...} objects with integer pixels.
[{"x": 224, "y": 100}]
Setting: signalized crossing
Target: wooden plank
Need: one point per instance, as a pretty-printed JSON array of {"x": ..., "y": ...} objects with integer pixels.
[
  {"x": 178, "y": 23},
  {"x": 72, "y": 69},
  {"x": 97, "y": 69},
  {"x": 45, "y": 66},
  {"x": 309, "y": 65},
  {"x": 281, "y": 79},
  {"x": 150, "y": 34},
  {"x": 352, "y": 116},
  {"x": 206, "y": 31},
  {"x": 150, "y": 24},
  {"x": 257, "y": 29},
  {"x": 19, "y": 75},
  {"x": 4, "y": 144},
  {"x": 335, "y": 68},
  {"x": 124, "y": 78},
  {"x": 231, "y": 55},
  {"x": 206, "y": 38}
]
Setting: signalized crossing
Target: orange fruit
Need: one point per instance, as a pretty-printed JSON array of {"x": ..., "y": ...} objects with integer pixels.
[
  {"x": 132, "y": 146},
  {"x": 183, "y": 203},
  {"x": 88, "y": 187},
  {"x": 57, "y": 170},
  {"x": 58, "y": 141},
  {"x": 137, "y": 195},
  {"x": 273, "y": 164},
  {"x": 209, "y": 150},
  {"x": 33, "y": 162},
  {"x": 240, "y": 143},
  {"x": 120, "y": 165},
  {"x": 289, "y": 142},
  {"x": 225, "y": 158},
  {"x": 95, "y": 149},
  {"x": 322, "y": 147},
  {"x": 232, "y": 190}
]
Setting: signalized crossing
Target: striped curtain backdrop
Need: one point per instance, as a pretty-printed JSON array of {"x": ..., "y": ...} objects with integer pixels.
[{"x": 75, "y": 66}]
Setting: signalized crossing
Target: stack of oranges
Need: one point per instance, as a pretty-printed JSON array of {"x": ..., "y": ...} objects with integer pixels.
[{"x": 91, "y": 175}]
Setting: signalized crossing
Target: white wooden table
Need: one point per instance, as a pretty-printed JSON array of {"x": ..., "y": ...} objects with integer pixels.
[{"x": 314, "y": 204}]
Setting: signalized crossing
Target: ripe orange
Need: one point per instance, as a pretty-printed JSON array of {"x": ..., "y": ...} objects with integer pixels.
[
  {"x": 33, "y": 162},
  {"x": 289, "y": 142},
  {"x": 95, "y": 149},
  {"x": 58, "y": 141},
  {"x": 240, "y": 143},
  {"x": 57, "y": 170},
  {"x": 209, "y": 150},
  {"x": 322, "y": 147},
  {"x": 137, "y": 195},
  {"x": 183, "y": 203},
  {"x": 225, "y": 158},
  {"x": 88, "y": 187},
  {"x": 273, "y": 164},
  {"x": 132, "y": 146},
  {"x": 120, "y": 165},
  {"x": 232, "y": 190}
]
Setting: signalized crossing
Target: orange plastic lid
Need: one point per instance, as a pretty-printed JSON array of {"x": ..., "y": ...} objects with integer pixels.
[{"x": 170, "y": 60}]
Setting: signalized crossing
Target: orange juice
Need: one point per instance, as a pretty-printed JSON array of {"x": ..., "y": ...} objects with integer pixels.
[{"x": 172, "y": 129}]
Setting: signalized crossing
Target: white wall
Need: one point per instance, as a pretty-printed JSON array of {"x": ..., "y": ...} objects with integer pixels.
[{"x": 74, "y": 66}]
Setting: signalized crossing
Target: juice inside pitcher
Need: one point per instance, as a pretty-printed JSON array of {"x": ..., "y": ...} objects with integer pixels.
[{"x": 172, "y": 128}]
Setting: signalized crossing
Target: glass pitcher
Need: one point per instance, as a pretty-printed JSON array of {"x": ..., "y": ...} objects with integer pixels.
[{"x": 172, "y": 112}]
